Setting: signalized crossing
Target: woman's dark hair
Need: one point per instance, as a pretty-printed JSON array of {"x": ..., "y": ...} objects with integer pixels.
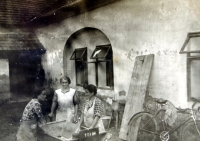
[
  {"x": 65, "y": 78},
  {"x": 38, "y": 92},
  {"x": 91, "y": 88}
]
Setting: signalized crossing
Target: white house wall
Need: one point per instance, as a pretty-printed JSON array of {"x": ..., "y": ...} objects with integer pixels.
[{"x": 134, "y": 27}]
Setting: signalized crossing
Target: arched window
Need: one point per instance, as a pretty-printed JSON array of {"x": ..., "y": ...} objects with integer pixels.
[{"x": 88, "y": 58}]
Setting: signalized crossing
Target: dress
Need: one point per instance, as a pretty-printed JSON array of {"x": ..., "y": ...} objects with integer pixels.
[
  {"x": 65, "y": 109},
  {"x": 91, "y": 109},
  {"x": 29, "y": 121}
]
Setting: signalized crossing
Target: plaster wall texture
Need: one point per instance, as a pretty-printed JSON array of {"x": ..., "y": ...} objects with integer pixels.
[{"x": 134, "y": 27}]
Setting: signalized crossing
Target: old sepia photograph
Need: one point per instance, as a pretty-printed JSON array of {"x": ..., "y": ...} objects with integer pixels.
[{"x": 99, "y": 70}]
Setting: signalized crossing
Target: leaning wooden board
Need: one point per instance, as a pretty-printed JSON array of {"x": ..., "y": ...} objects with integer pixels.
[{"x": 137, "y": 91}]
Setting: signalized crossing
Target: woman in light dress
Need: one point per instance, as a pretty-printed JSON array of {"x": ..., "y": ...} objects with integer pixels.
[{"x": 67, "y": 101}]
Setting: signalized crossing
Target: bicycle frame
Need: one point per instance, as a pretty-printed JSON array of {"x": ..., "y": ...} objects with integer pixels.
[
  {"x": 169, "y": 132},
  {"x": 145, "y": 126},
  {"x": 176, "y": 128}
]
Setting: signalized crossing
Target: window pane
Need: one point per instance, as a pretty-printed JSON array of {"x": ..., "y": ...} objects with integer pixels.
[
  {"x": 102, "y": 82},
  {"x": 80, "y": 73},
  {"x": 195, "y": 79},
  {"x": 91, "y": 73},
  {"x": 78, "y": 54},
  {"x": 193, "y": 44},
  {"x": 101, "y": 52}
]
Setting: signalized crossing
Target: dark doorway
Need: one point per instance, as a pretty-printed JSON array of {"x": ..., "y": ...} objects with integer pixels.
[{"x": 23, "y": 73}]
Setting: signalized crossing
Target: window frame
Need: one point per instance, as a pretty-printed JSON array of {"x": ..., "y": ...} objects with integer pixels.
[
  {"x": 98, "y": 48},
  {"x": 108, "y": 58},
  {"x": 190, "y": 58},
  {"x": 82, "y": 59}
]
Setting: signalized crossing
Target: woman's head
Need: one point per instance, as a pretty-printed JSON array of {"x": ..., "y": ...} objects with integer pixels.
[
  {"x": 41, "y": 95},
  {"x": 92, "y": 89},
  {"x": 65, "y": 78}
]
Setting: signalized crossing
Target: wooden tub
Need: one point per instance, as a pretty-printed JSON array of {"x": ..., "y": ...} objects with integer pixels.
[{"x": 63, "y": 131}]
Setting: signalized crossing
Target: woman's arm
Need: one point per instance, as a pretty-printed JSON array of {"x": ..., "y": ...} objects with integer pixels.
[
  {"x": 42, "y": 121},
  {"x": 42, "y": 124},
  {"x": 38, "y": 111},
  {"x": 76, "y": 102},
  {"x": 53, "y": 106},
  {"x": 80, "y": 123},
  {"x": 81, "y": 120},
  {"x": 96, "y": 119},
  {"x": 76, "y": 113},
  {"x": 98, "y": 111}
]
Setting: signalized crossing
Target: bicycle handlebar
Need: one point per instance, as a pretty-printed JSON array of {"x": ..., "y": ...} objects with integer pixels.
[
  {"x": 164, "y": 102},
  {"x": 194, "y": 104}
]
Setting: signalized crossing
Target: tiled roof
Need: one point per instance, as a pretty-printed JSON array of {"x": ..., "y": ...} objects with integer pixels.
[
  {"x": 17, "y": 42},
  {"x": 21, "y": 11},
  {"x": 43, "y": 12}
]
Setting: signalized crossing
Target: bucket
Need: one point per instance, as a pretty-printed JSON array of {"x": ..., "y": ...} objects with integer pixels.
[
  {"x": 115, "y": 105},
  {"x": 106, "y": 121}
]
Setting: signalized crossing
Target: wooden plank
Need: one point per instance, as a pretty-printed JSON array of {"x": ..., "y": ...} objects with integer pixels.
[{"x": 137, "y": 91}]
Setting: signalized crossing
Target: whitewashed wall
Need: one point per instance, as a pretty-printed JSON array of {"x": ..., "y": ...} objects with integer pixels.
[{"x": 134, "y": 27}]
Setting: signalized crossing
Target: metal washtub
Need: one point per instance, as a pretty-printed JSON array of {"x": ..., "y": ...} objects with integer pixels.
[{"x": 64, "y": 131}]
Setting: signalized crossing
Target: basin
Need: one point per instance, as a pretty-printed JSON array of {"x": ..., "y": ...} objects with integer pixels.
[{"x": 64, "y": 131}]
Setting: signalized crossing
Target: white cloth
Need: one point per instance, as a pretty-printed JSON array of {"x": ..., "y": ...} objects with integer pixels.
[
  {"x": 65, "y": 109},
  {"x": 89, "y": 117},
  {"x": 170, "y": 113}
]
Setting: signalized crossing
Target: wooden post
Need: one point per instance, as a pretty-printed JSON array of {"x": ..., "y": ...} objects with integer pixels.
[{"x": 137, "y": 90}]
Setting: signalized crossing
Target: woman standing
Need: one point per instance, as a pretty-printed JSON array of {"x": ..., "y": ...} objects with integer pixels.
[
  {"x": 92, "y": 110},
  {"x": 32, "y": 115},
  {"x": 67, "y": 102}
]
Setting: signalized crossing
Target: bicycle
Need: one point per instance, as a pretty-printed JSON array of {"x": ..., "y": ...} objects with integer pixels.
[{"x": 148, "y": 127}]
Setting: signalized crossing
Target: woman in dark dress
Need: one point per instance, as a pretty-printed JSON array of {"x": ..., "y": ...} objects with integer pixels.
[{"x": 32, "y": 117}]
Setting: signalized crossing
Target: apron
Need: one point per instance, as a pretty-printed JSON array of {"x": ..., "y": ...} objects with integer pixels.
[
  {"x": 65, "y": 109},
  {"x": 66, "y": 114},
  {"x": 89, "y": 117},
  {"x": 27, "y": 131}
]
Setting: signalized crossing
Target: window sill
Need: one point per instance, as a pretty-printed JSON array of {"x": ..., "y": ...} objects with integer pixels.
[{"x": 106, "y": 88}]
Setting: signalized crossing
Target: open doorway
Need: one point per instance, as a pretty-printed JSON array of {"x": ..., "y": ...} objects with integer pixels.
[{"x": 23, "y": 68}]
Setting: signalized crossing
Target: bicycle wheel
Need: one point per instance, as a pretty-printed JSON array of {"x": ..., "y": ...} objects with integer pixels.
[
  {"x": 142, "y": 127},
  {"x": 190, "y": 133}
]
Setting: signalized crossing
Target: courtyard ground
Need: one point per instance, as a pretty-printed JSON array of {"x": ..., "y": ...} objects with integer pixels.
[{"x": 10, "y": 114}]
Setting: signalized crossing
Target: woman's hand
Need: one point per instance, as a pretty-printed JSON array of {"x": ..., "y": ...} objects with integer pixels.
[
  {"x": 50, "y": 114},
  {"x": 75, "y": 119},
  {"x": 77, "y": 130},
  {"x": 45, "y": 129}
]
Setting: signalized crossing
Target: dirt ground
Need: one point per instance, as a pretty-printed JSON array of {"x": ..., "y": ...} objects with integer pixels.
[{"x": 11, "y": 113}]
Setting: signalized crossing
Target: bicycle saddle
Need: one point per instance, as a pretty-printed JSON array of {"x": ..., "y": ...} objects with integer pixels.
[
  {"x": 180, "y": 110},
  {"x": 161, "y": 101}
]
